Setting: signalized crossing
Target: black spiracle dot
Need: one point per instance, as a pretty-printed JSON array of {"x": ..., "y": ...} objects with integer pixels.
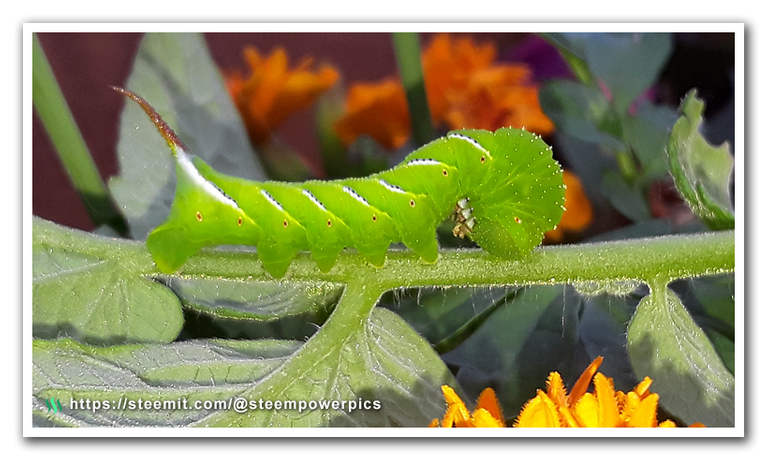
[
  {"x": 330, "y": 223},
  {"x": 445, "y": 172},
  {"x": 285, "y": 223},
  {"x": 240, "y": 221},
  {"x": 412, "y": 203},
  {"x": 374, "y": 218},
  {"x": 199, "y": 216}
]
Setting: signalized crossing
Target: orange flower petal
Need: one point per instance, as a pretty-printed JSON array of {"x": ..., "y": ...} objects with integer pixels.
[
  {"x": 494, "y": 97},
  {"x": 578, "y": 213},
  {"x": 642, "y": 389},
  {"x": 447, "y": 63},
  {"x": 451, "y": 397},
  {"x": 644, "y": 415},
  {"x": 377, "y": 110},
  {"x": 465, "y": 89},
  {"x": 486, "y": 414},
  {"x": 299, "y": 91},
  {"x": 556, "y": 389},
  {"x": 578, "y": 210},
  {"x": 566, "y": 416},
  {"x": 606, "y": 407},
  {"x": 272, "y": 91},
  {"x": 608, "y": 415},
  {"x": 488, "y": 402},
  {"x": 484, "y": 418},
  {"x": 586, "y": 411},
  {"x": 540, "y": 411},
  {"x": 583, "y": 382},
  {"x": 457, "y": 414}
]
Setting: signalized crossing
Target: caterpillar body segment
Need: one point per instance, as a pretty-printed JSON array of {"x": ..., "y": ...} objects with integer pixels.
[
  {"x": 195, "y": 221},
  {"x": 503, "y": 189}
]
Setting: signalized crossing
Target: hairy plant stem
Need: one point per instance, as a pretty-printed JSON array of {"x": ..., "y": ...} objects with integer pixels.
[{"x": 661, "y": 258}]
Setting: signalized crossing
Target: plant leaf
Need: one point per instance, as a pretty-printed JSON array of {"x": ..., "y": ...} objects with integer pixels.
[
  {"x": 94, "y": 292},
  {"x": 185, "y": 371},
  {"x": 242, "y": 308},
  {"x": 627, "y": 199},
  {"x": 689, "y": 376},
  {"x": 381, "y": 359},
  {"x": 647, "y": 133},
  {"x": 627, "y": 63},
  {"x": 449, "y": 315},
  {"x": 702, "y": 173},
  {"x": 582, "y": 111},
  {"x": 517, "y": 347},
  {"x": 710, "y": 301},
  {"x": 176, "y": 74},
  {"x": 254, "y": 300}
]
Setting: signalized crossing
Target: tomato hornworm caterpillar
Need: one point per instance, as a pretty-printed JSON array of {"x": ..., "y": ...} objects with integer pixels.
[{"x": 502, "y": 189}]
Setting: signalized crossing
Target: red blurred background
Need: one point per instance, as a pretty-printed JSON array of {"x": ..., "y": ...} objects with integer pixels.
[{"x": 86, "y": 64}]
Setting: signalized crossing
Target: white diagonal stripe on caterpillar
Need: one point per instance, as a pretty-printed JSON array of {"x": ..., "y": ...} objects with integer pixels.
[
  {"x": 355, "y": 195},
  {"x": 392, "y": 187},
  {"x": 212, "y": 189},
  {"x": 423, "y": 161},
  {"x": 271, "y": 200},
  {"x": 314, "y": 199},
  {"x": 470, "y": 140}
]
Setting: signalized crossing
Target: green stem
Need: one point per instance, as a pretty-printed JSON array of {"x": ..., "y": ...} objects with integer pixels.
[
  {"x": 61, "y": 127},
  {"x": 626, "y": 165},
  {"x": 408, "y": 53},
  {"x": 670, "y": 257},
  {"x": 661, "y": 258},
  {"x": 465, "y": 331},
  {"x": 345, "y": 322},
  {"x": 578, "y": 65}
]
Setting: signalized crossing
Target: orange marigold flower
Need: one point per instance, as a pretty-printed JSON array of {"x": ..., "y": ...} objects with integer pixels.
[
  {"x": 379, "y": 110},
  {"x": 487, "y": 411},
  {"x": 272, "y": 91},
  {"x": 465, "y": 89},
  {"x": 604, "y": 407},
  {"x": 578, "y": 210},
  {"x": 448, "y": 64}
]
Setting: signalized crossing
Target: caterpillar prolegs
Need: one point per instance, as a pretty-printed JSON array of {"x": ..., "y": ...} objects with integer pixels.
[{"x": 503, "y": 190}]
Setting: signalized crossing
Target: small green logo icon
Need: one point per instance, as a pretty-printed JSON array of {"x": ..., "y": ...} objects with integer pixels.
[{"x": 54, "y": 406}]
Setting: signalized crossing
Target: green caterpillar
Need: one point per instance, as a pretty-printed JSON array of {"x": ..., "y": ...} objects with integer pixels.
[{"x": 503, "y": 190}]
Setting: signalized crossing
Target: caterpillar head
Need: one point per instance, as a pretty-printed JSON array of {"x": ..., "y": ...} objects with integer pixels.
[{"x": 514, "y": 198}]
